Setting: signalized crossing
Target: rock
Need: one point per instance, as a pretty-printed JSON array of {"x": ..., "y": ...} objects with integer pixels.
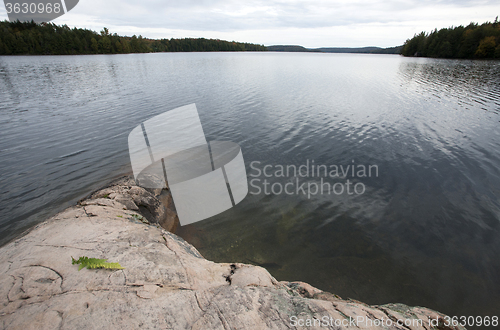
[
  {"x": 126, "y": 200},
  {"x": 246, "y": 275},
  {"x": 171, "y": 221},
  {"x": 155, "y": 205},
  {"x": 166, "y": 283},
  {"x": 104, "y": 202},
  {"x": 303, "y": 289},
  {"x": 149, "y": 206}
]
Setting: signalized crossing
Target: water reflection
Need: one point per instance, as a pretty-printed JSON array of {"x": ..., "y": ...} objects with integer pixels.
[{"x": 424, "y": 233}]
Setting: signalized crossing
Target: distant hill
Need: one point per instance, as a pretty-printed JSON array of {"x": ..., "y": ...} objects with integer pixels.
[
  {"x": 287, "y": 48},
  {"x": 389, "y": 50},
  {"x": 361, "y": 50},
  {"x": 349, "y": 50}
]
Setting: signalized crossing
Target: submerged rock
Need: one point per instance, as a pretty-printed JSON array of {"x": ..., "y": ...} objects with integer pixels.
[{"x": 166, "y": 283}]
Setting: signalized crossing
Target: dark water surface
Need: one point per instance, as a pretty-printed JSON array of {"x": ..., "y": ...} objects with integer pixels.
[{"x": 424, "y": 232}]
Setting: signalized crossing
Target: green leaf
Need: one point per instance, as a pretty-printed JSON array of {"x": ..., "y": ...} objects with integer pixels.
[{"x": 92, "y": 263}]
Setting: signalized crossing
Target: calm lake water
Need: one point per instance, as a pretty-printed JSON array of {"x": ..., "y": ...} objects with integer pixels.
[{"x": 425, "y": 230}]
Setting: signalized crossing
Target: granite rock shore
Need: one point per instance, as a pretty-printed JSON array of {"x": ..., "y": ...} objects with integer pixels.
[{"x": 166, "y": 283}]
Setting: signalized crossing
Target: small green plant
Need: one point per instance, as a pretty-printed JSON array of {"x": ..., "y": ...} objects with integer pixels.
[
  {"x": 140, "y": 218},
  {"x": 91, "y": 263}
]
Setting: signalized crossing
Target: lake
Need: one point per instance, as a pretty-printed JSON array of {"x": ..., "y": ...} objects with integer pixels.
[{"x": 421, "y": 228}]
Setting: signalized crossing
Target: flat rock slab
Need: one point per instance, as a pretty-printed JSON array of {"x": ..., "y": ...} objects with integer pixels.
[{"x": 166, "y": 284}]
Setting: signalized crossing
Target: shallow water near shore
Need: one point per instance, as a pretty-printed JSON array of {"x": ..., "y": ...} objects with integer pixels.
[{"x": 425, "y": 230}]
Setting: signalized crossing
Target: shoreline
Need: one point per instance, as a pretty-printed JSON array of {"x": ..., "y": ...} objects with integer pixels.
[
  {"x": 109, "y": 182},
  {"x": 166, "y": 282}
]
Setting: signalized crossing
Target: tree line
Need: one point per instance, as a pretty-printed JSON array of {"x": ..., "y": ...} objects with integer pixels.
[
  {"x": 29, "y": 38},
  {"x": 472, "y": 41}
]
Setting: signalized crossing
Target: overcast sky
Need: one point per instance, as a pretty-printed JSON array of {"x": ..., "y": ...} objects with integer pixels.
[{"x": 310, "y": 23}]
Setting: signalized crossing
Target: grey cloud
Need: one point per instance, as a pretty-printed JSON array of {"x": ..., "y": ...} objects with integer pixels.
[{"x": 224, "y": 15}]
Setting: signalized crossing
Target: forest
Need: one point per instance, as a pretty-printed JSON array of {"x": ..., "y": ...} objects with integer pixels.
[
  {"x": 28, "y": 38},
  {"x": 472, "y": 41}
]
